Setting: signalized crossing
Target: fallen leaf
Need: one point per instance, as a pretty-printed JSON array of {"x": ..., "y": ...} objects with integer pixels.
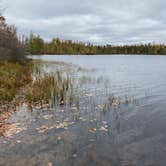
[
  {"x": 46, "y": 117},
  {"x": 44, "y": 128},
  {"x": 93, "y": 130},
  {"x": 13, "y": 129},
  {"x": 103, "y": 129},
  {"x": 50, "y": 164},
  {"x": 101, "y": 107}
]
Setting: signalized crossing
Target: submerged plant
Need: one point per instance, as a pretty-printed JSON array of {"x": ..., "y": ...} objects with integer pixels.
[{"x": 116, "y": 101}]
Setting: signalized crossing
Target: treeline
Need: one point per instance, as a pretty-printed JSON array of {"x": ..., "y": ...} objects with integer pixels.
[
  {"x": 36, "y": 45},
  {"x": 10, "y": 46},
  {"x": 149, "y": 49},
  {"x": 13, "y": 48}
]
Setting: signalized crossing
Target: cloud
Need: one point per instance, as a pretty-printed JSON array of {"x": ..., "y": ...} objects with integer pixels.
[{"x": 101, "y": 22}]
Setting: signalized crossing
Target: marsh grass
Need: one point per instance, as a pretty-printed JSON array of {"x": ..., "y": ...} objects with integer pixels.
[
  {"x": 113, "y": 102},
  {"x": 12, "y": 77},
  {"x": 49, "y": 89}
]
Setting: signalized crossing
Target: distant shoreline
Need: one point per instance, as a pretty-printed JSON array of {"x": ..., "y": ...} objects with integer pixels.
[{"x": 100, "y": 54}]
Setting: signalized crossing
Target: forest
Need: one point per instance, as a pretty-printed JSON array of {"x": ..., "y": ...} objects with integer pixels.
[
  {"x": 13, "y": 47},
  {"x": 37, "y": 45}
]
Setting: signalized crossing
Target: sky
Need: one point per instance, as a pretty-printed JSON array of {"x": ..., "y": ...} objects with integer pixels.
[{"x": 96, "y": 21}]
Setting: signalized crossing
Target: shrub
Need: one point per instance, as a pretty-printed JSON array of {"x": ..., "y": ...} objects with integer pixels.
[{"x": 10, "y": 46}]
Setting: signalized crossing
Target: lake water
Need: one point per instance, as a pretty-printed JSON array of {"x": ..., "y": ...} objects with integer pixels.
[
  {"x": 138, "y": 76},
  {"x": 132, "y": 133}
]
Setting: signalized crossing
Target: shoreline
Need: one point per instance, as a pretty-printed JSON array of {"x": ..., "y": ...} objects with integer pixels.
[{"x": 101, "y": 54}]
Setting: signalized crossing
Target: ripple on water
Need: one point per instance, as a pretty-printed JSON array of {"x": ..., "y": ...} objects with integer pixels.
[{"x": 131, "y": 133}]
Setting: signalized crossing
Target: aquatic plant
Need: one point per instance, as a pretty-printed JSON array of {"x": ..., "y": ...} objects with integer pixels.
[
  {"x": 116, "y": 101},
  {"x": 48, "y": 89}
]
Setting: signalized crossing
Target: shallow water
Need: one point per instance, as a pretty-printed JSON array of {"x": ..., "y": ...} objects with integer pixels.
[{"x": 129, "y": 134}]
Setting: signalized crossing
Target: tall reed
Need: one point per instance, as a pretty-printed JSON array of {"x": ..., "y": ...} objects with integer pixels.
[{"x": 48, "y": 88}]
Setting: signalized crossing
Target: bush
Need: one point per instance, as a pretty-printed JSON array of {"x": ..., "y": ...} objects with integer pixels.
[
  {"x": 12, "y": 77},
  {"x": 10, "y": 47}
]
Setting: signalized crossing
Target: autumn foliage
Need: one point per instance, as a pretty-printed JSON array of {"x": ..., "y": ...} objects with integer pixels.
[{"x": 10, "y": 46}]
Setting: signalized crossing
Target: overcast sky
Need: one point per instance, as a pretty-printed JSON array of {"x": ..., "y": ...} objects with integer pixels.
[{"x": 96, "y": 21}]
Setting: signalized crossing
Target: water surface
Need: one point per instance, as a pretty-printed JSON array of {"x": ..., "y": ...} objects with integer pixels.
[{"x": 129, "y": 134}]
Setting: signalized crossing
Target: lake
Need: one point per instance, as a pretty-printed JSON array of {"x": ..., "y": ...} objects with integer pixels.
[{"x": 129, "y": 132}]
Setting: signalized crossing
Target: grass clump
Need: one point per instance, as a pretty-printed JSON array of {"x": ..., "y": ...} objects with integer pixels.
[{"x": 49, "y": 89}]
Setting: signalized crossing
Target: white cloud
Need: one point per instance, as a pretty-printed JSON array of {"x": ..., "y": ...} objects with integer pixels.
[{"x": 97, "y": 21}]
